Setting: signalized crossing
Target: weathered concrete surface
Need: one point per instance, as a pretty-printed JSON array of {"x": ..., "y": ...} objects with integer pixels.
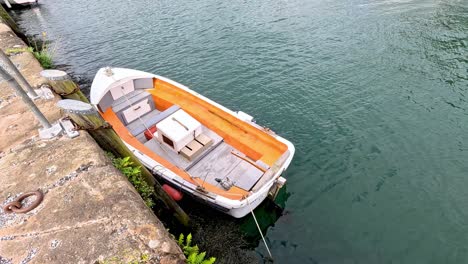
[{"x": 90, "y": 211}]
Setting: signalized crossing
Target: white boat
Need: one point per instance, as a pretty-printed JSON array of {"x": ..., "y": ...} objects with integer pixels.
[
  {"x": 218, "y": 156},
  {"x": 9, "y": 3}
]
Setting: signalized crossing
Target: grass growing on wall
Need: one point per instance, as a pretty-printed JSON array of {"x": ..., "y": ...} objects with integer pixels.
[
  {"x": 44, "y": 58},
  {"x": 133, "y": 174},
  {"x": 43, "y": 50}
]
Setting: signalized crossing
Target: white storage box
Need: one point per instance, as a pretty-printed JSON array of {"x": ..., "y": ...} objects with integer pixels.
[{"x": 178, "y": 129}]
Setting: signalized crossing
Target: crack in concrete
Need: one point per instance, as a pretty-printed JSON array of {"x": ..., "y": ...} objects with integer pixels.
[
  {"x": 62, "y": 181},
  {"x": 104, "y": 220},
  {"x": 5, "y": 260},
  {"x": 31, "y": 254},
  {"x": 27, "y": 143}
]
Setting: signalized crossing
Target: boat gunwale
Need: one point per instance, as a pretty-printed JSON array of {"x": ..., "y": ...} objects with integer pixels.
[{"x": 177, "y": 171}]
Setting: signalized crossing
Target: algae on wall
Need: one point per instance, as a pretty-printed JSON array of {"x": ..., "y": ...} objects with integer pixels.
[{"x": 6, "y": 18}]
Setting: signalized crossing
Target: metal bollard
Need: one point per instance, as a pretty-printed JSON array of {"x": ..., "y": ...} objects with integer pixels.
[
  {"x": 16, "y": 74},
  {"x": 48, "y": 131}
]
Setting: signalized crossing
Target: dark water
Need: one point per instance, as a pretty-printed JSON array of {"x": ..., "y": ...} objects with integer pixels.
[{"x": 372, "y": 93}]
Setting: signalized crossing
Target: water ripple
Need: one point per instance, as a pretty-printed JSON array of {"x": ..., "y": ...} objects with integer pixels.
[{"x": 372, "y": 93}]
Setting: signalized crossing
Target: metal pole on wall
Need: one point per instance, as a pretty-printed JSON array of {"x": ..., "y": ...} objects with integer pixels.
[
  {"x": 14, "y": 84},
  {"x": 7, "y": 3},
  {"x": 16, "y": 74}
]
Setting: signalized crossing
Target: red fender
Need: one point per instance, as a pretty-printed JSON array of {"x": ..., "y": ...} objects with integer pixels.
[{"x": 175, "y": 194}]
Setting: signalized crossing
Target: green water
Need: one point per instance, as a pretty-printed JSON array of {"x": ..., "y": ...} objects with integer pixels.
[{"x": 372, "y": 93}]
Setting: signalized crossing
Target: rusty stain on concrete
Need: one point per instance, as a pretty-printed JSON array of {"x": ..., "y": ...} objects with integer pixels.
[{"x": 90, "y": 211}]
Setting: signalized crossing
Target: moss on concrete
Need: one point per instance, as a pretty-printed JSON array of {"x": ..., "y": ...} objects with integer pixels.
[{"x": 6, "y": 18}]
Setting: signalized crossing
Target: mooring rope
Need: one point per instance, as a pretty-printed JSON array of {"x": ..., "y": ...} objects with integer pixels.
[{"x": 259, "y": 229}]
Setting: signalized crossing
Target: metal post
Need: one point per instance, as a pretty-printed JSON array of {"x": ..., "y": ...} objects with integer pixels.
[
  {"x": 63, "y": 85},
  {"x": 14, "y": 84},
  {"x": 16, "y": 73},
  {"x": 7, "y": 3}
]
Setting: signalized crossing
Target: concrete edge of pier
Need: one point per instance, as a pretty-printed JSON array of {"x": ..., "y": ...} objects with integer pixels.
[{"x": 90, "y": 212}]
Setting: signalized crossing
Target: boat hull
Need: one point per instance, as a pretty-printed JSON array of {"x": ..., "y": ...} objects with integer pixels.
[
  {"x": 237, "y": 205},
  {"x": 235, "y": 208},
  {"x": 22, "y": 2}
]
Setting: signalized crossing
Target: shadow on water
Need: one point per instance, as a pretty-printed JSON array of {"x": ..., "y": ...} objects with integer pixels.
[{"x": 229, "y": 239}]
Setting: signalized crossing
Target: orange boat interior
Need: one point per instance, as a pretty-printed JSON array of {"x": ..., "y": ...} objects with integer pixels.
[{"x": 257, "y": 145}]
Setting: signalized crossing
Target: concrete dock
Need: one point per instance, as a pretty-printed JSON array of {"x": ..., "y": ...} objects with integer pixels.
[{"x": 90, "y": 212}]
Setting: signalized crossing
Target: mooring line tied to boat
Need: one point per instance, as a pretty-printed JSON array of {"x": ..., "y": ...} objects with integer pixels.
[{"x": 260, "y": 231}]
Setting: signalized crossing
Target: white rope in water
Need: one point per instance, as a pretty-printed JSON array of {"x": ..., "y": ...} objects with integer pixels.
[{"x": 259, "y": 230}]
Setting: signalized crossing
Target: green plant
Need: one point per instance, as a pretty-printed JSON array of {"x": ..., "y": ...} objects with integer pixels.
[
  {"x": 133, "y": 174},
  {"x": 43, "y": 51},
  {"x": 192, "y": 252},
  {"x": 44, "y": 58},
  {"x": 127, "y": 257},
  {"x": 10, "y": 51}
]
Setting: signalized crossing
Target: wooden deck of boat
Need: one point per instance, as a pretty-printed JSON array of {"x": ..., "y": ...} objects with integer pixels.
[
  {"x": 216, "y": 162},
  {"x": 254, "y": 143},
  {"x": 222, "y": 164},
  {"x": 235, "y": 192},
  {"x": 177, "y": 159},
  {"x": 253, "y": 147}
]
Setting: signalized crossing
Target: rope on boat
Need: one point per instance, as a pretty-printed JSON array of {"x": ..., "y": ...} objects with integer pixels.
[{"x": 259, "y": 229}]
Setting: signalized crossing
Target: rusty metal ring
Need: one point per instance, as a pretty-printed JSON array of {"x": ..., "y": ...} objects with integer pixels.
[
  {"x": 8, "y": 207},
  {"x": 13, "y": 206},
  {"x": 39, "y": 197}
]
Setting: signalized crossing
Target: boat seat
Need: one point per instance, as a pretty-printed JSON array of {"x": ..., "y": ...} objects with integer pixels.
[
  {"x": 139, "y": 125},
  {"x": 130, "y": 99},
  {"x": 133, "y": 105}
]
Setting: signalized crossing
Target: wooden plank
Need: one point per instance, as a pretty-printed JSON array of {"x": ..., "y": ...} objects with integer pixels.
[
  {"x": 245, "y": 175},
  {"x": 251, "y": 141},
  {"x": 175, "y": 158},
  {"x": 246, "y": 159},
  {"x": 221, "y": 163},
  {"x": 168, "y": 154},
  {"x": 217, "y": 164}
]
